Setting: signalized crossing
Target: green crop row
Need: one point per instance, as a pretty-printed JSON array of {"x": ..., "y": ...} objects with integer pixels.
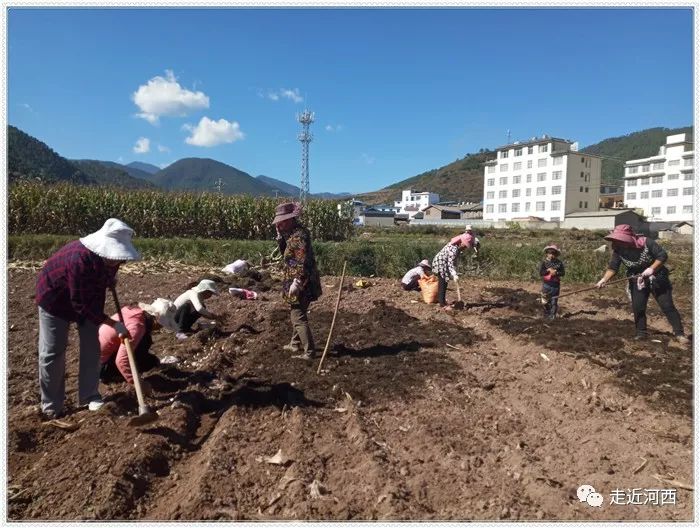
[{"x": 498, "y": 259}]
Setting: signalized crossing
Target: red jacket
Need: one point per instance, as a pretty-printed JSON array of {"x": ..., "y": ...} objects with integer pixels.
[{"x": 110, "y": 344}]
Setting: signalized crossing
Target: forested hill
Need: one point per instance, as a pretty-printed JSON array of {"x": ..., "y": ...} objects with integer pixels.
[{"x": 642, "y": 144}]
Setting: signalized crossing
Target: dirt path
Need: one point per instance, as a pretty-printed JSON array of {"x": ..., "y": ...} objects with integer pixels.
[{"x": 490, "y": 413}]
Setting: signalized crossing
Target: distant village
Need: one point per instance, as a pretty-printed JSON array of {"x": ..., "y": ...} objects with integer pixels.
[{"x": 546, "y": 183}]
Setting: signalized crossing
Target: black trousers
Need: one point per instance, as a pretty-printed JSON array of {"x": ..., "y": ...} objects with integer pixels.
[
  {"x": 552, "y": 304},
  {"x": 145, "y": 361},
  {"x": 186, "y": 316},
  {"x": 442, "y": 290},
  {"x": 411, "y": 286},
  {"x": 662, "y": 292}
]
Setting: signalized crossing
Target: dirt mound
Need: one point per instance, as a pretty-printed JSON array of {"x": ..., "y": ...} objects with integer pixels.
[{"x": 370, "y": 361}]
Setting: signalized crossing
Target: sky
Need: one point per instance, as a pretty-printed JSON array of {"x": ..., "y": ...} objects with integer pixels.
[{"x": 396, "y": 92}]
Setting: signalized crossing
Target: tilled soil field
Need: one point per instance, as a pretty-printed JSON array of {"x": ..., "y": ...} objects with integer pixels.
[{"x": 487, "y": 413}]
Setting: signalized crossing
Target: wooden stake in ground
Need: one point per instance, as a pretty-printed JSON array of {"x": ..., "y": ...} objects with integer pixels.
[{"x": 330, "y": 332}]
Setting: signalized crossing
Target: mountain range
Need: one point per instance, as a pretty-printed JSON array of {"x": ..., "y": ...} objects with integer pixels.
[
  {"x": 461, "y": 180},
  {"x": 29, "y": 158}
]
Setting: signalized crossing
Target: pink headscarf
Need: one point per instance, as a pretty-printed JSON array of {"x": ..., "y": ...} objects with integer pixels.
[
  {"x": 464, "y": 240},
  {"x": 623, "y": 234}
]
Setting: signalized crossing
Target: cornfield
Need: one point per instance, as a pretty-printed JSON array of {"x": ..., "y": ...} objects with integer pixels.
[{"x": 72, "y": 210}]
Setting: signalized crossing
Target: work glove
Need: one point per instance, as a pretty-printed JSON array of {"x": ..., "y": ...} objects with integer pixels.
[
  {"x": 600, "y": 283},
  {"x": 121, "y": 330},
  {"x": 295, "y": 288},
  {"x": 455, "y": 277},
  {"x": 641, "y": 283},
  {"x": 648, "y": 272}
]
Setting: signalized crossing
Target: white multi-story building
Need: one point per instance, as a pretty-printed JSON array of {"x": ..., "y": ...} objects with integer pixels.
[
  {"x": 663, "y": 185},
  {"x": 545, "y": 177},
  {"x": 412, "y": 202}
]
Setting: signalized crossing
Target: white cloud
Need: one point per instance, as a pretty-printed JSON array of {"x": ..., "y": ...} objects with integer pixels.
[
  {"x": 209, "y": 133},
  {"x": 292, "y": 94},
  {"x": 286, "y": 93},
  {"x": 163, "y": 148},
  {"x": 142, "y": 146},
  {"x": 334, "y": 128},
  {"x": 27, "y": 106},
  {"x": 163, "y": 96},
  {"x": 163, "y": 165},
  {"x": 120, "y": 159},
  {"x": 369, "y": 160}
]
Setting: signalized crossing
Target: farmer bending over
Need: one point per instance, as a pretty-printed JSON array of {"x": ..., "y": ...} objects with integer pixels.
[
  {"x": 444, "y": 263},
  {"x": 189, "y": 307},
  {"x": 140, "y": 321},
  {"x": 643, "y": 256},
  {"x": 477, "y": 242},
  {"x": 71, "y": 288}
]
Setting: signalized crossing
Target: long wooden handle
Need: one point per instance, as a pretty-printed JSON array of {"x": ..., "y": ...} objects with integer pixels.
[
  {"x": 459, "y": 292},
  {"x": 130, "y": 354},
  {"x": 595, "y": 287},
  {"x": 335, "y": 313},
  {"x": 134, "y": 372}
]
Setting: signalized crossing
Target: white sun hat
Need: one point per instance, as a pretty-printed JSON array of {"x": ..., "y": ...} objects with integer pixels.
[
  {"x": 164, "y": 312},
  {"x": 157, "y": 308},
  {"x": 112, "y": 241},
  {"x": 206, "y": 285},
  {"x": 468, "y": 227}
]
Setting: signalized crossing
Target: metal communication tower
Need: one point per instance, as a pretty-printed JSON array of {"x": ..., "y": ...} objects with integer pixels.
[
  {"x": 219, "y": 185},
  {"x": 306, "y": 137}
]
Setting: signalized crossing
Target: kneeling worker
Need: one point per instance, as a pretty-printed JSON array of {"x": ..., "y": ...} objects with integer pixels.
[
  {"x": 410, "y": 280},
  {"x": 140, "y": 321},
  {"x": 190, "y": 307}
]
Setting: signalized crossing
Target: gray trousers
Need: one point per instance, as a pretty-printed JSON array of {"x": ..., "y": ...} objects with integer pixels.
[
  {"x": 53, "y": 339},
  {"x": 301, "y": 336}
]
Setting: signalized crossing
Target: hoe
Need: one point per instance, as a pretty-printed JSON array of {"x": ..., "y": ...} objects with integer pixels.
[{"x": 146, "y": 415}]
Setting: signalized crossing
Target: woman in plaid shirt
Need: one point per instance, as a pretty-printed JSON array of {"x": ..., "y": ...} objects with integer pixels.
[{"x": 71, "y": 287}]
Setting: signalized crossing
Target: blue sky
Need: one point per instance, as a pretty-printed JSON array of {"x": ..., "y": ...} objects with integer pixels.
[{"x": 396, "y": 92}]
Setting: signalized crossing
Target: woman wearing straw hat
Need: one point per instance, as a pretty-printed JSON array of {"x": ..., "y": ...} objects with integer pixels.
[
  {"x": 302, "y": 283},
  {"x": 140, "y": 321},
  {"x": 409, "y": 282},
  {"x": 644, "y": 258},
  {"x": 71, "y": 287}
]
